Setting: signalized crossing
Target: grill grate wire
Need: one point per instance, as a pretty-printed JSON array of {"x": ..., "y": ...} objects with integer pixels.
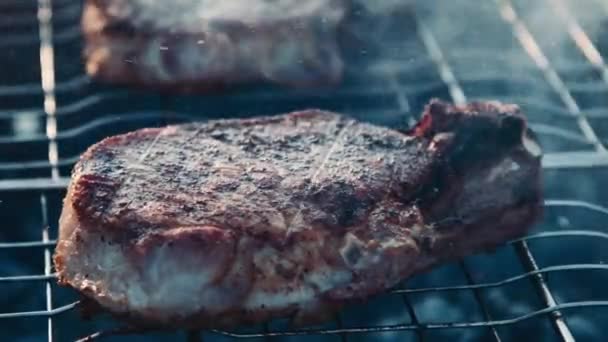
[
  {"x": 458, "y": 96},
  {"x": 552, "y": 310},
  {"x": 47, "y": 67}
]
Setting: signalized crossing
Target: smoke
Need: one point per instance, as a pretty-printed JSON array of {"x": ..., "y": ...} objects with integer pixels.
[
  {"x": 483, "y": 33},
  {"x": 491, "y": 58},
  {"x": 383, "y": 7},
  {"x": 500, "y": 49}
]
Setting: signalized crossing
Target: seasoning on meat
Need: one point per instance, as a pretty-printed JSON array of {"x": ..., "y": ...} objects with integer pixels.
[
  {"x": 239, "y": 221},
  {"x": 205, "y": 44}
]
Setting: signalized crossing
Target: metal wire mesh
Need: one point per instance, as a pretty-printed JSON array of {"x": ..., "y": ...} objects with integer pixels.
[{"x": 71, "y": 113}]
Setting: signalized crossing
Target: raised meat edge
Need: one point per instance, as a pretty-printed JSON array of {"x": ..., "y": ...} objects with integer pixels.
[{"x": 445, "y": 245}]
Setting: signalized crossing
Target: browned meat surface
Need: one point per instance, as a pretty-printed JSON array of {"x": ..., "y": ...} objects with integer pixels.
[
  {"x": 238, "y": 221},
  {"x": 201, "y": 44}
]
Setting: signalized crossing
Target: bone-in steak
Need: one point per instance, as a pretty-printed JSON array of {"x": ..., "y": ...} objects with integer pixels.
[
  {"x": 239, "y": 221},
  {"x": 203, "y": 44}
]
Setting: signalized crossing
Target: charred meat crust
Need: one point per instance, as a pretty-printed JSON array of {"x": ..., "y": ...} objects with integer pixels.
[{"x": 290, "y": 215}]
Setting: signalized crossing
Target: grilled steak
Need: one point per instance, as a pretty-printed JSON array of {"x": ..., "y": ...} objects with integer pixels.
[
  {"x": 239, "y": 221},
  {"x": 202, "y": 44}
]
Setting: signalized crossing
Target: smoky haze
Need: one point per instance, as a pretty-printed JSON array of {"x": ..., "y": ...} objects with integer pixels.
[{"x": 492, "y": 60}]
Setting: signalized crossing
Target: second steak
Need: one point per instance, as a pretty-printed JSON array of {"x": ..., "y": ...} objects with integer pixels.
[{"x": 204, "y": 44}]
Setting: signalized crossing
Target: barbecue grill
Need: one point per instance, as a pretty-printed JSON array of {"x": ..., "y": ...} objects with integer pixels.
[{"x": 544, "y": 55}]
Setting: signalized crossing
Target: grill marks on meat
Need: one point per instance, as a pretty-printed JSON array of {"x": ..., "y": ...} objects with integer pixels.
[
  {"x": 203, "y": 44},
  {"x": 239, "y": 221}
]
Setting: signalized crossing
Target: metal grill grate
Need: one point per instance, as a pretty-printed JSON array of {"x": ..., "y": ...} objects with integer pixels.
[{"x": 418, "y": 56}]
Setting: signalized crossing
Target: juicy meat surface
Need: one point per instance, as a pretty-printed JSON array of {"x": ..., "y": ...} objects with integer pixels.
[
  {"x": 240, "y": 221},
  {"x": 210, "y": 43}
]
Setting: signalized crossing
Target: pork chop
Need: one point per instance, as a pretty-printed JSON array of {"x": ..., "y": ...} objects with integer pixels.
[
  {"x": 239, "y": 221},
  {"x": 203, "y": 44}
]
